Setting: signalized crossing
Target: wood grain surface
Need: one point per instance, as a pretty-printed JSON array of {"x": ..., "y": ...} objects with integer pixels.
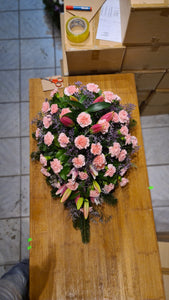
[{"x": 122, "y": 259}]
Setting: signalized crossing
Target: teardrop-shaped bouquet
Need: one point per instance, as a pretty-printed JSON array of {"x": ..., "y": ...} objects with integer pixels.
[{"x": 85, "y": 148}]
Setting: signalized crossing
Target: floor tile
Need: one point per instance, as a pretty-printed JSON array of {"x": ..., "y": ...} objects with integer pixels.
[
  {"x": 9, "y": 53},
  {"x": 9, "y": 120},
  {"x": 59, "y": 55},
  {"x": 9, "y": 197},
  {"x": 4, "y": 269},
  {"x": 24, "y": 238},
  {"x": 10, "y": 241},
  {"x": 9, "y": 25},
  {"x": 158, "y": 178},
  {"x": 161, "y": 219},
  {"x": 9, "y": 86},
  {"x": 33, "y": 73},
  {"x": 25, "y": 155},
  {"x": 58, "y": 71},
  {"x": 8, "y": 5},
  {"x": 25, "y": 119},
  {"x": 31, "y": 4},
  {"x": 37, "y": 53},
  {"x": 155, "y": 121},
  {"x": 10, "y": 157},
  {"x": 35, "y": 24},
  {"x": 25, "y": 195},
  {"x": 156, "y": 144}
]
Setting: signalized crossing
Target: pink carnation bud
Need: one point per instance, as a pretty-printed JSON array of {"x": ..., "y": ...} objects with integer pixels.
[
  {"x": 45, "y": 107},
  {"x": 124, "y": 181},
  {"x": 66, "y": 121},
  {"x": 45, "y": 172},
  {"x": 99, "y": 99}
]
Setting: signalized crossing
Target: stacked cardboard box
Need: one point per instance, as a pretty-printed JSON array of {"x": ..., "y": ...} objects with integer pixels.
[{"x": 144, "y": 51}]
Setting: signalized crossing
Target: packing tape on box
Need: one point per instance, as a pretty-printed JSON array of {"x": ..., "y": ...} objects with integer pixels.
[{"x": 83, "y": 26}]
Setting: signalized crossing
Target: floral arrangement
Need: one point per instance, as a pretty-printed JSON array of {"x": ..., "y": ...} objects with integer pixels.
[
  {"x": 54, "y": 8},
  {"x": 85, "y": 149}
]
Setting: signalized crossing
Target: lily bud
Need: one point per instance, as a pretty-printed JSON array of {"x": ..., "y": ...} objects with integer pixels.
[
  {"x": 61, "y": 190},
  {"x": 72, "y": 98},
  {"x": 93, "y": 171},
  {"x": 108, "y": 117},
  {"x": 66, "y": 195},
  {"x": 96, "y": 128},
  {"x": 99, "y": 99},
  {"x": 86, "y": 209},
  {"x": 77, "y": 198},
  {"x": 66, "y": 121},
  {"x": 96, "y": 186},
  {"x": 79, "y": 202}
]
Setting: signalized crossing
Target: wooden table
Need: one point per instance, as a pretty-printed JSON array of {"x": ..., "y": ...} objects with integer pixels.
[{"x": 122, "y": 259}]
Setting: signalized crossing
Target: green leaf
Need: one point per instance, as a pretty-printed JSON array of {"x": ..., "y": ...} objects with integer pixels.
[
  {"x": 79, "y": 202},
  {"x": 76, "y": 104},
  {"x": 64, "y": 172},
  {"x": 98, "y": 106},
  {"x": 132, "y": 123},
  {"x": 83, "y": 98}
]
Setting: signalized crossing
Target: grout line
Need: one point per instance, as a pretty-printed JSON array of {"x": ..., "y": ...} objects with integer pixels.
[
  {"x": 22, "y": 9},
  {"x": 158, "y": 165},
  {"x": 27, "y": 38},
  {"x": 27, "y": 69},
  {"x": 14, "y": 218},
  {"x": 15, "y": 102},
  {"x": 14, "y": 137},
  {"x": 19, "y": 33},
  {"x": 14, "y": 175},
  {"x": 164, "y": 126}
]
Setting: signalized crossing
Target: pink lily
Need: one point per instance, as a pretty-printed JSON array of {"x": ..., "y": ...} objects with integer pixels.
[
  {"x": 108, "y": 117},
  {"x": 66, "y": 121},
  {"x": 66, "y": 195},
  {"x": 93, "y": 171},
  {"x": 99, "y": 99},
  {"x": 74, "y": 173},
  {"x": 61, "y": 190}
]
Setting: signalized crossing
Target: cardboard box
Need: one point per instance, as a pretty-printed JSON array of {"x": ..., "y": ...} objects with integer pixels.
[
  {"x": 164, "y": 83},
  {"x": 146, "y": 21},
  {"x": 146, "y": 58},
  {"x": 92, "y": 56},
  {"x": 146, "y": 80},
  {"x": 157, "y": 103}
]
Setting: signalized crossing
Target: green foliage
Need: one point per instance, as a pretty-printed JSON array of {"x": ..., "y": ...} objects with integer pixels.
[
  {"x": 84, "y": 226},
  {"x": 98, "y": 106},
  {"x": 65, "y": 171},
  {"x": 54, "y": 8},
  {"x": 109, "y": 199},
  {"x": 35, "y": 155},
  {"x": 76, "y": 105},
  {"x": 132, "y": 123},
  {"x": 53, "y": 193}
]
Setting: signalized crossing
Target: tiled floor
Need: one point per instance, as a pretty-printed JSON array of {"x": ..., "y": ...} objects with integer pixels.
[{"x": 30, "y": 47}]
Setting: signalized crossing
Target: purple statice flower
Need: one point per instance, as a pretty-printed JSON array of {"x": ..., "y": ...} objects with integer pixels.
[{"x": 78, "y": 83}]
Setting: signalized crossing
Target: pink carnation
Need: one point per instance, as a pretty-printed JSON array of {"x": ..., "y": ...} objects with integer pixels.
[
  {"x": 94, "y": 193},
  {"x": 65, "y": 111},
  {"x": 128, "y": 139},
  {"x": 123, "y": 171},
  {"x": 83, "y": 175},
  {"x": 72, "y": 185},
  {"x": 109, "y": 96},
  {"x": 45, "y": 107},
  {"x": 70, "y": 90},
  {"x": 115, "y": 117},
  {"x": 84, "y": 119},
  {"x": 122, "y": 155},
  {"x": 92, "y": 87},
  {"x": 79, "y": 161},
  {"x": 99, "y": 162},
  {"x": 81, "y": 142},
  {"x": 56, "y": 165},
  {"x": 134, "y": 141},
  {"x": 43, "y": 160},
  {"x": 53, "y": 92},
  {"x": 37, "y": 133},
  {"x": 108, "y": 188},
  {"x": 47, "y": 121},
  {"x": 48, "y": 138},
  {"x": 123, "y": 116},
  {"x": 124, "y": 181},
  {"x": 111, "y": 170},
  {"x": 105, "y": 126},
  {"x": 63, "y": 140},
  {"x": 45, "y": 172},
  {"x": 115, "y": 150},
  {"x": 96, "y": 149},
  {"x": 54, "y": 108},
  {"x": 124, "y": 130}
]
